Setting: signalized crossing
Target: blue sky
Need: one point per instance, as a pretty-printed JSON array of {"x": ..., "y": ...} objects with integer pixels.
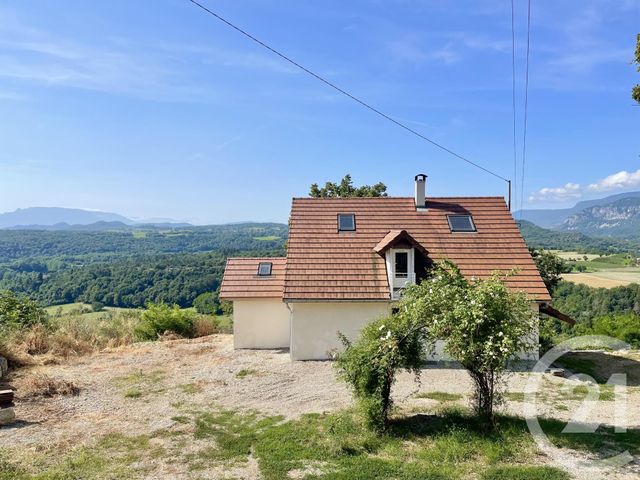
[{"x": 154, "y": 109}]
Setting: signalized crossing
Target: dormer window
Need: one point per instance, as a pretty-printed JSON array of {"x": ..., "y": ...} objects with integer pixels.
[
  {"x": 264, "y": 269},
  {"x": 346, "y": 222},
  {"x": 461, "y": 223}
]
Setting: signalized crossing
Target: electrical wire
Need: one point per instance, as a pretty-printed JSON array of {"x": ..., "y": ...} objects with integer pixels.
[
  {"x": 344, "y": 92},
  {"x": 513, "y": 100},
  {"x": 526, "y": 104}
]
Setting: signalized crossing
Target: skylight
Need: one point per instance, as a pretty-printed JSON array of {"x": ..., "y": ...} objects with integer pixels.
[
  {"x": 346, "y": 222},
  {"x": 264, "y": 269},
  {"x": 461, "y": 223}
]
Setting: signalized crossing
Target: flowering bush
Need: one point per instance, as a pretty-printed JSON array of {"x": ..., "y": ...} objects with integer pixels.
[
  {"x": 370, "y": 364},
  {"x": 485, "y": 325}
]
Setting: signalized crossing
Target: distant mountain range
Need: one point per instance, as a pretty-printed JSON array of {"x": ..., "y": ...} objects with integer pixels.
[
  {"x": 58, "y": 218},
  {"x": 613, "y": 216}
]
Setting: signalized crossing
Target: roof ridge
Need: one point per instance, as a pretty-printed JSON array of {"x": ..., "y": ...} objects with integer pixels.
[{"x": 395, "y": 198}]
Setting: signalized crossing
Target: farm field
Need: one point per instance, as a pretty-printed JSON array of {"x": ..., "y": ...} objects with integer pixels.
[
  {"x": 613, "y": 277},
  {"x": 569, "y": 255},
  {"x": 187, "y": 409},
  {"x": 600, "y": 271}
]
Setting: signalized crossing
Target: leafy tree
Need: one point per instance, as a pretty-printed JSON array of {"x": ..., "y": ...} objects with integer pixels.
[
  {"x": 485, "y": 326},
  {"x": 159, "y": 318},
  {"x": 550, "y": 266},
  {"x": 17, "y": 311},
  {"x": 346, "y": 189},
  {"x": 635, "y": 92},
  {"x": 206, "y": 303}
]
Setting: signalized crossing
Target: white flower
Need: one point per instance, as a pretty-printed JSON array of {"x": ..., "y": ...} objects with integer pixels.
[
  {"x": 381, "y": 327},
  {"x": 500, "y": 334},
  {"x": 431, "y": 290},
  {"x": 473, "y": 302}
]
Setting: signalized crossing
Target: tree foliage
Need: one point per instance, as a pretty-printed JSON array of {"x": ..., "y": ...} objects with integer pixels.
[
  {"x": 206, "y": 303},
  {"x": 550, "y": 266},
  {"x": 346, "y": 189},
  {"x": 128, "y": 269},
  {"x": 585, "y": 304},
  {"x": 635, "y": 92}
]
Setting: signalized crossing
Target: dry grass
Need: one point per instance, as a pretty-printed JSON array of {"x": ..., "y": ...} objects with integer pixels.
[
  {"x": 34, "y": 385},
  {"x": 203, "y": 326},
  {"x": 66, "y": 337}
]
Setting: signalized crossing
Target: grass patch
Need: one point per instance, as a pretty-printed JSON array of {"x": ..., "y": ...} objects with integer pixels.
[
  {"x": 140, "y": 383},
  {"x": 439, "y": 396},
  {"x": 245, "y": 372},
  {"x": 191, "y": 388},
  {"x": 133, "y": 393},
  {"x": 515, "y": 396},
  {"x": 339, "y": 446}
]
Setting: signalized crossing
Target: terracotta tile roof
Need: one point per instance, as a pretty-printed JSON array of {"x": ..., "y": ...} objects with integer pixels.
[
  {"x": 241, "y": 278},
  {"x": 324, "y": 264},
  {"x": 395, "y": 236}
]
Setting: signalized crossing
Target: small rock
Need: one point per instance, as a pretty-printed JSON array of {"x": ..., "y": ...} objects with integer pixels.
[
  {"x": 7, "y": 416},
  {"x": 4, "y": 366},
  {"x": 556, "y": 372}
]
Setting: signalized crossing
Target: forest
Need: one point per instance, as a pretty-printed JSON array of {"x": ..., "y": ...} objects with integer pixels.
[{"x": 128, "y": 268}]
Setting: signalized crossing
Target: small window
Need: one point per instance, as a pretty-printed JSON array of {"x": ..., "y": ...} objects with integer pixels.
[
  {"x": 402, "y": 264},
  {"x": 264, "y": 269},
  {"x": 346, "y": 222},
  {"x": 461, "y": 223}
]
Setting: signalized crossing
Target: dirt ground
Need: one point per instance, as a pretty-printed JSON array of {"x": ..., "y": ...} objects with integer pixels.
[{"x": 137, "y": 389}]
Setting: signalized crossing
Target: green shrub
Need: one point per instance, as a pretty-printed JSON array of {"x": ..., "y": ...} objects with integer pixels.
[
  {"x": 19, "y": 312},
  {"x": 159, "y": 318},
  {"x": 97, "y": 306},
  {"x": 370, "y": 363}
]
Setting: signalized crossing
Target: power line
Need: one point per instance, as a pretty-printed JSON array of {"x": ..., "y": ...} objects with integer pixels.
[
  {"x": 513, "y": 99},
  {"x": 526, "y": 103},
  {"x": 344, "y": 92}
]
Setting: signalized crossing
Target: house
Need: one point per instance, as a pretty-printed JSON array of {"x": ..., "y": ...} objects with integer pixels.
[{"x": 348, "y": 260}]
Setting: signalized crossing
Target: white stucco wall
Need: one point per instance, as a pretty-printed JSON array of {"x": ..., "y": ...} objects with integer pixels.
[
  {"x": 315, "y": 326},
  {"x": 260, "y": 323}
]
